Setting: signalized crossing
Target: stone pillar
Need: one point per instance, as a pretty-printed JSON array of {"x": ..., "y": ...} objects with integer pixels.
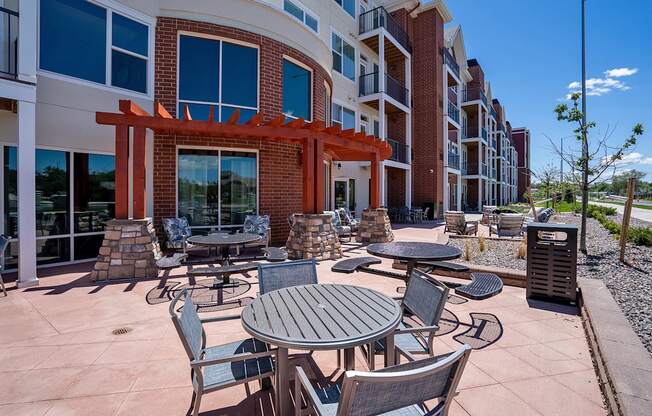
[
  {"x": 130, "y": 249},
  {"x": 375, "y": 227},
  {"x": 313, "y": 236}
]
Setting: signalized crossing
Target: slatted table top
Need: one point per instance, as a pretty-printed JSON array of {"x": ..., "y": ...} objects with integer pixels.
[
  {"x": 414, "y": 250},
  {"x": 223, "y": 239},
  {"x": 321, "y": 317}
]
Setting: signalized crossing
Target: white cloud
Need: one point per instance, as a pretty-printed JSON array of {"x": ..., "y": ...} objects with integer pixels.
[
  {"x": 602, "y": 86},
  {"x": 633, "y": 158},
  {"x": 620, "y": 72}
]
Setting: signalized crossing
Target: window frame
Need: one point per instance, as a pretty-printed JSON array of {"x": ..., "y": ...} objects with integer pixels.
[
  {"x": 305, "y": 10},
  {"x": 111, "y": 7},
  {"x": 312, "y": 84},
  {"x": 355, "y": 56},
  {"x": 355, "y": 9},
  {"x": 219, "y": 103},
  {"x": 341, "y": 122},
  {"x": 218, "y": 149}
]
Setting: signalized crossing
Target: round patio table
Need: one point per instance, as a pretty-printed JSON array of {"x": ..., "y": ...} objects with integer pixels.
[
  {"x": 320, "y": 317},
  {"x": 223, "y": 243},
  {"x": 413, "y": 252}
]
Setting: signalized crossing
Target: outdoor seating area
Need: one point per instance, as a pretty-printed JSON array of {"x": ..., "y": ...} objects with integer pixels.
[{"x": 287, "y": 338}]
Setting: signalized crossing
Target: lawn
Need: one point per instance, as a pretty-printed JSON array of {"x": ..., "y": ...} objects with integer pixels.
[{"x": 641, "y": 206}]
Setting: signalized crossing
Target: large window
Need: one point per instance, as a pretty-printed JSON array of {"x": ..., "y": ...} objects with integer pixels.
[
  {"x": 62, "y": 237},
  {"x": 73, "y": 42},
  {"x": 301, "y": 13},
  {"x": 297, "y": 86},
  {"x": 219, "y": 74},
  {"x": 343, "y": 117},
  {"x": 216, "y": 188},
  {"x": 343, "y": 57},
  {"x": 348, "y": 6}
]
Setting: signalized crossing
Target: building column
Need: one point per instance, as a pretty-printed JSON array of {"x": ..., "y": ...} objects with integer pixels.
[
  {"x": 459, "y": 193},
  {"x": 480, "y": 194},
  {"x": 381, "y": 114},
  {"x": 27, "y": 194},
  {"x": 447, "y": 190}
]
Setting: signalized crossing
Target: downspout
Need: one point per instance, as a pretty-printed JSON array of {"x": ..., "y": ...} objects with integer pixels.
[{"x": 415, "y": 7}]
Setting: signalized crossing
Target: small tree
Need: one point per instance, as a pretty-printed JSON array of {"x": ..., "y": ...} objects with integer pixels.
[
  {"x": 548, "y": 181},
  {"x": 589, "y": 161}
]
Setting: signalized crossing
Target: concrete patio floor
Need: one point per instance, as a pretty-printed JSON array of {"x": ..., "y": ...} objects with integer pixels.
[{"x": 58, "y": 355}]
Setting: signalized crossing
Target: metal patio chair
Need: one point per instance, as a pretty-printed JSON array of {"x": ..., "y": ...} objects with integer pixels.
[
  {"x": 509, "y": 225},
  {"x": 4, "y": 243},
  {"x": 399, "y": 390},
  {"x": 343, "y": 231},
  {"x": 424, "y": 300},
  {"x": 348, "y": 219},
  {"x": 221, "y": 366},
  {"x": 257, "y": 225},
  {"x": 456, "y": 223},
  {"x": 281, "y": 275}
]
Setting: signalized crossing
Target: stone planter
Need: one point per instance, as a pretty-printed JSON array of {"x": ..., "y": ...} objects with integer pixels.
[
  {"x": 130, "y": 249},
  {"x": 375, "y": 227},
  {"x": 313, "y": 236}
]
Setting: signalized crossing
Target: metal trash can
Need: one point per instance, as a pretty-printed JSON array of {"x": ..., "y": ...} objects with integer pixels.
[{"x": 552, "y": 261}]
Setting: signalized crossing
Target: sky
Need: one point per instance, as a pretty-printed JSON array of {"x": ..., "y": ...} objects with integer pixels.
[{"x": 530, "y": 53}]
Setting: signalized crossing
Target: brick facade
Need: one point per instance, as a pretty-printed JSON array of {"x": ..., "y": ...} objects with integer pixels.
[
  {"x": 279, "y": 165},
  {"x": 521, "y": 138}
]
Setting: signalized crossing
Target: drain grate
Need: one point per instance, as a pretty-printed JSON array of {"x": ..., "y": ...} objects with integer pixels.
[{"x": 121, "y": 331}]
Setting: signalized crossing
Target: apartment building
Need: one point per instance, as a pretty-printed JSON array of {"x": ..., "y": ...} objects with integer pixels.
[{"x": 521, "y": 139}]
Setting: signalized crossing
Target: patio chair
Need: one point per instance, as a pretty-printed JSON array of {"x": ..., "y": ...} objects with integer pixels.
[
  {"x": 177, "y": 232},
  {"x": 424, "y": 300},
  {"x": 488, "y": 214},
  {"x": 399, "y": 390},
  {"x": 4, "y": 243},
  {"x": 509, "y": 225},
  {"x": 280, "y": 275},
  {"x": 348, "y": 219},
  {"x": 405, "y": 215},
  {"x": 456, "y": 223},
  {"x": 257, "y": 225},
  {"x": 221, "y": 366},
  {"x": 343, "y": 231}
]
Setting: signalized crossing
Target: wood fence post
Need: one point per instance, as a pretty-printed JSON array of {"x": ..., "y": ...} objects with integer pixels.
[{"x": 624, "y": 228}]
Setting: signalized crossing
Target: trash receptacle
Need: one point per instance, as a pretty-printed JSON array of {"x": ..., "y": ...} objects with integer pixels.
[{"x": 552, "y": 261}]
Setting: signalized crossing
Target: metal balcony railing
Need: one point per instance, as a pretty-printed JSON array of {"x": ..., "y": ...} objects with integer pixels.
[
  {"x": 400, "y": 151},
  {"x": 494, "y": 142},
  {"x": 453, "y": 160},
  {"x": 379, "y": 17},
  {"x": 451, "y": 62},
  {"x": 484, "y": 169},
  {"x": 501, "y": 127},
  {"x": 493, "y": 112},
  {"x": 484, "y": 133},
  {"x": 465, "y": 167},
  {"x": 453, "y": 112},
  {"x": 369, "y": 84},
  {"x": 8, "y": 43},
  {"x": 475, "y": 93},
  {"x": 493, "y": 173}
]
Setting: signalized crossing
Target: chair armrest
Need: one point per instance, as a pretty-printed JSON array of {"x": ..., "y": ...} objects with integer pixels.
[
  {"x": 474, "y": 222},
  {"x": 414, "y": 329},
  {"x": 302, "y": 379},
  {"x": 409, "y": 356},
  {"x": 232, "y": 358},
  {"x": 219, "y": 318}
]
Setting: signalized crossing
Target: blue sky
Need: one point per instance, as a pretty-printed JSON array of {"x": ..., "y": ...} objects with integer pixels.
[{"x": 530, "y": 53}]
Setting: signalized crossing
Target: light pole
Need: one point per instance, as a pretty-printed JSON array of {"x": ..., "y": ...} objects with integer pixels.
[{"x": 585, "y": 141}]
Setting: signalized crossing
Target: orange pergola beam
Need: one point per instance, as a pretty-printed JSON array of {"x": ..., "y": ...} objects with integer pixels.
[
  {"x": 122, "y": 172},
  {"x": 139, "y": 157}
]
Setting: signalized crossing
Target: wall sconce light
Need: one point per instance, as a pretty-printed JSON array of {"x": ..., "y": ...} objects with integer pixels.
[
  {"x": 431, "y": 170},
  {"x": 339, "y": 166}
]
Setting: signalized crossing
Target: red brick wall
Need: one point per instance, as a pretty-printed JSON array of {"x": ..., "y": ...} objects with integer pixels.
[
  {"x": 521, "y": 141},
  {"x": 427, "y": 109},
  {"x": 396, "y": 187},
  {"x": 279, "y": 172}
]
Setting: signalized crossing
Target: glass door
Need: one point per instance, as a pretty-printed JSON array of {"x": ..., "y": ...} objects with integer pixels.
[{"x": 341, "y": 193}]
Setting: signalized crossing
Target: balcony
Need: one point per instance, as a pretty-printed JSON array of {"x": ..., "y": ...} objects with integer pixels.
[
  {"x": 450, "y": 61},
  {"x": 400, "y": 151},
  {"x": 473, "y": 94},
  {"x": 8, "y": 43},
  {"x": 379, "y": 17},
  {"x": 453, "y": 112},
  {"x": 369, "y": 84},
  {"x": 484, "y": 169},
  {"x": 453, "y": 160},
  {"x": 484, "y": 134}
]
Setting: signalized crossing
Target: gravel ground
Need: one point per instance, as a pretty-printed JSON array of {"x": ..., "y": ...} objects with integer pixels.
[{"x": 631, "y": 286}]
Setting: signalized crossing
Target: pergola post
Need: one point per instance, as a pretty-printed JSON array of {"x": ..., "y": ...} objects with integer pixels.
[
  {"x": 375, "y": 183},
  {"x": 308, "y": 162},
  {"x": 319, "y": 176},
  {"x": 138, "y": 160},
  {"x": 122, "y": 171}
]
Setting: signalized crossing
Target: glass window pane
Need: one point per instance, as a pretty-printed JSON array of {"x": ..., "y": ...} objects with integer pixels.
[
  {"x": 87, "y": 246},
  {"x": 73, "y": 39},
  {"x": 11, "y": 191},
  {"x": 337, "y": 62},
  {"x": 312, "y": 23},
  {"x": 239, "y": 75},
  {"x": 129, "y": 34},
  {"x": 292, "y": 8},
  {"x": 52, "y": 250},
  {"x": 94, "y": 190},
  {"x": 349, "y": 6},
  {"x": 52, "y": 193},
  {"x": 128, "y": 72},
  {"x": 297, "y": 85},
  {"x": 337, "y": 113},
  {"x": 351, "y": 195},
  {"x": 197, "y": 111},
  {"x": 238, "y": 186},
  {"x": 349, "y": 61},
  {"x": 336, "y": 43},
  {"x": 198, "y": 69},
  {"x": 197, "y": 186},
  {"x": 11, "y": 256},
  {"x": 348, "y": 121},
  {"x": 245, "y": 114}
]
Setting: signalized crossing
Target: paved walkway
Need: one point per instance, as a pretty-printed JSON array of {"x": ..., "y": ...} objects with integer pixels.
[
  {"x": 641, "y": 214},
  {"x": 58, "y": 355}
]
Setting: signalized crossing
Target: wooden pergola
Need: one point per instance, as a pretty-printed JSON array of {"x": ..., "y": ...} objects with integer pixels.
[{"x": 315, "y": 139}]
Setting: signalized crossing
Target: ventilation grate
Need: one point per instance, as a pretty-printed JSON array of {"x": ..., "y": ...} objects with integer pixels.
[{"x": 121, "y": 331}]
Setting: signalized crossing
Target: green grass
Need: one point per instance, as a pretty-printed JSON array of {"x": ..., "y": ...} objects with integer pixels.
[
  {"x": 562, "y": 206},
  {"x": 641, "y": 206}
]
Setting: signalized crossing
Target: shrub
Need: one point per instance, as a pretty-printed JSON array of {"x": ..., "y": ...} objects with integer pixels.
[
  {"x": 482, "y": 243},
  {"x": 521, "y": 251},
  {"x": 467, "y": 251},
  {"x": 640, "y": 236}
]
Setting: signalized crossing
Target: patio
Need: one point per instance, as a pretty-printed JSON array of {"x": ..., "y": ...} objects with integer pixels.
[{"x": 60, "y": 355}]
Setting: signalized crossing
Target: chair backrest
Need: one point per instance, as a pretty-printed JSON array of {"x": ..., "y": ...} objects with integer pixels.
[
  {"x": 4, "y": 243},
  {"x": 188, "y": 325},
  {"x": 291, "y": 220},
  {"x": 455, "y": 219},
  {"x": 489, "y": 209},
  {"x": 426, "y": 211},
  {"x": 276, "y": 276},
  {"x": 392, "y": 388},
  {"x": 176, "y": 228},
  {"x": 425, "y": 297},
  {"x": 256, "y": 224},
  {"x": 336, "y": 218},
  {"x": 510, "y": 221}
]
